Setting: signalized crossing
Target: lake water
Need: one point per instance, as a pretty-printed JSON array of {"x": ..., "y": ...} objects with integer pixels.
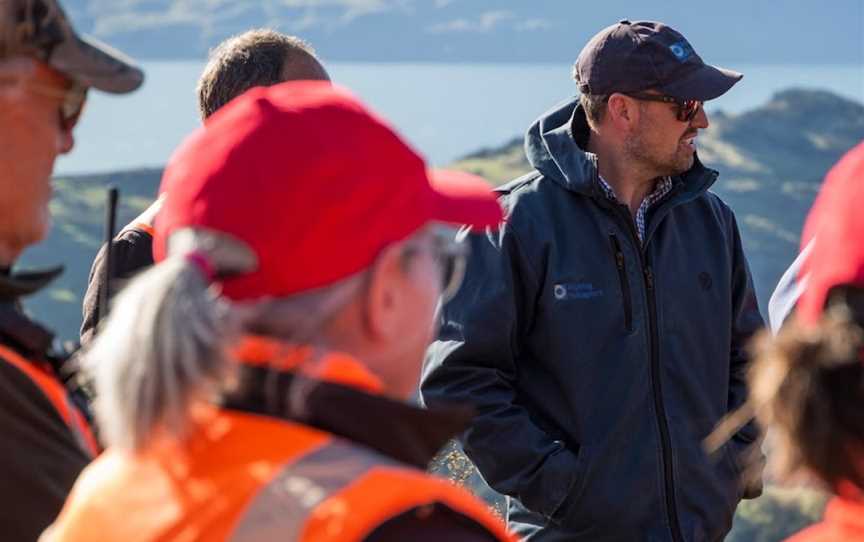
[{"x": 445, "y": 110}]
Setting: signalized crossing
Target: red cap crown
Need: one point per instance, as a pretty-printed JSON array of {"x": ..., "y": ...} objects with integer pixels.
[
  {"x": 315, "y": 183},
  {"x": 837, "y": 222}
]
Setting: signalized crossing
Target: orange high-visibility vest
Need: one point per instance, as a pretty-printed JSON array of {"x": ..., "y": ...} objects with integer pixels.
[
  {"x": 240, "y": 476},
  {"x": 247, "y": 477},
  {"x": 57, "y": 395}
]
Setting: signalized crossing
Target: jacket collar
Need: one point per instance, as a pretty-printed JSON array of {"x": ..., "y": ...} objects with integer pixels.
[
  {"x": 555, "y": 146},
  {"x": 16, "y": 329},
  {"x": 350, "y": 408},
  {"x": 17, "y": 284}
]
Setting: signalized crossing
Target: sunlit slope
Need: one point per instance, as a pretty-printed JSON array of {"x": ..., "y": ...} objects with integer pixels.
[{"x": 771, "y": 159}]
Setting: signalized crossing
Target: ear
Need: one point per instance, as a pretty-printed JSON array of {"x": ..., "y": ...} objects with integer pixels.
[
  {"x": 385, "y": 297},
  {"x": 622, "y": 110}
]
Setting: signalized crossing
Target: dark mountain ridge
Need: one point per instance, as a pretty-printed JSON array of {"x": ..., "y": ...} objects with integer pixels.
[{"x": 771, "y": 160}]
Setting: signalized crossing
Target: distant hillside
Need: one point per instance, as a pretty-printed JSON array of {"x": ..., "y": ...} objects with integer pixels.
[
  {"x": 76, "y": 235},
  {"x": 771, "y": 159}
]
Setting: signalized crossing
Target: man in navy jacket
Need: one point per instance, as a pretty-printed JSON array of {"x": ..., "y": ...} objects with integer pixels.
[{"x": 602, "y": 332}]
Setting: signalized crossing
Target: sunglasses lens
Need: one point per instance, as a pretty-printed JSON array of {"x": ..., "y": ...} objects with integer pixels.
[
  {"x": 70, "y": 109},
  {"x": 688, "y": 109}
]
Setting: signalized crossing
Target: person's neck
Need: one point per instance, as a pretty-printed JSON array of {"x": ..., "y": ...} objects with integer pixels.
[{"x": 629, "y": 181}]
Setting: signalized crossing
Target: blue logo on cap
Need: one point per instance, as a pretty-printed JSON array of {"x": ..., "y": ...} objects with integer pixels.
[{"x": 681, "y": 50}]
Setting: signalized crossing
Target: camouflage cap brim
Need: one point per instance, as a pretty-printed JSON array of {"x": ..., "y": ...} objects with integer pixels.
[
  {"x": 95, "y": 64},
  {"x": 41, "y": 28}
]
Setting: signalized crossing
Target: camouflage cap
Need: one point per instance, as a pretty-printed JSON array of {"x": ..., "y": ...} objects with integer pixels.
[{"x": 40, "y": 28}]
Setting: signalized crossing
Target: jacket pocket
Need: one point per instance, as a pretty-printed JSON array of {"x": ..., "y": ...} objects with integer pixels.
[
  {"x": 562, "y": 512},
  {"x": 621, "y": 266}
]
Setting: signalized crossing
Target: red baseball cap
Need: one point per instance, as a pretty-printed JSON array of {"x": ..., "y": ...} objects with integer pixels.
[
  {"x": 837, "y": 223},
  {"x": 314, "y": 182}
]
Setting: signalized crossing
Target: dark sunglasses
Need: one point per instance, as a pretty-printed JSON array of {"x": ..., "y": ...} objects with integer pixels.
[
  {"x": 687, "y": 109},
  {"x": 451, "y": 255}
]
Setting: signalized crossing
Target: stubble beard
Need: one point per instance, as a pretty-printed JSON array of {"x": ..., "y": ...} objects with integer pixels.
[{"x": 655, "y": 162}]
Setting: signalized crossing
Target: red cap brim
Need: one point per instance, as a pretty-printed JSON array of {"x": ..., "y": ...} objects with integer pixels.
[{"x": 464, "y": 199}]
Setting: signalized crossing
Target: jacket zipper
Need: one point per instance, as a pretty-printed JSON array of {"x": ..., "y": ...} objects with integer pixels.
[
  {"x": 666, "y": 441},
  {"x": 625, "y": 284},
  {"x": 659, "y": 407}
]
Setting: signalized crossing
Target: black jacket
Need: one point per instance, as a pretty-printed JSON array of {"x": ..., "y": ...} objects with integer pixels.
[
  {"x": 598, "y": 366},
  {"x": 131, "y": 253}
]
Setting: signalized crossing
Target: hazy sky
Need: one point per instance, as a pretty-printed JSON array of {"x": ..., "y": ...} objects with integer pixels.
[{"x": 752, "y": 31}]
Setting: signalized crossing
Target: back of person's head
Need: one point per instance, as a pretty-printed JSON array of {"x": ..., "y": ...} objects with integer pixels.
[
  {"x": 254, "y": 58},
  {"x": 808, "y": 383},
  {"x": 320, "y": 240}
]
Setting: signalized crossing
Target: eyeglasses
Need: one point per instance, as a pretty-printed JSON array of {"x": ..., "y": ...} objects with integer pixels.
[
  {"x": 687, "y": 109},
  {"x": 451, "y": 256},
  {"x": 71, "y": 105},
  {"x": 71, "y": 99}
]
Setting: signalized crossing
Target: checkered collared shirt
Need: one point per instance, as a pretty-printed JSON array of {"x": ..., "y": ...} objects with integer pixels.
[{"x": 664, "y": 185}]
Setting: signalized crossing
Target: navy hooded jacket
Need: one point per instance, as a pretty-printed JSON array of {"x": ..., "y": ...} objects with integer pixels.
[{"x": 598, "y": 365}]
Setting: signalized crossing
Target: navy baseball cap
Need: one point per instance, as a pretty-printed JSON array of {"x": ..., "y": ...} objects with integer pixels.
[
  {"x": 636, "y": 56},
  {"x": 40, "y": 28}
]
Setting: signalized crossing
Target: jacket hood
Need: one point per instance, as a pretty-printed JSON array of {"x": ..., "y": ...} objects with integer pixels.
[
  {"x": 552, "y": 150},
  {"x": 554, "y": 147}
]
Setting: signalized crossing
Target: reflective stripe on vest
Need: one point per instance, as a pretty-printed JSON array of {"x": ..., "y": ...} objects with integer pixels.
[
  {"x": 57, "y": 395},
  {"x": 280, "y": 510},
  {"x": 340, "y": 492}
]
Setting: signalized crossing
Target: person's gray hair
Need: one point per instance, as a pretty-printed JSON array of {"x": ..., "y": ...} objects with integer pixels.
[
  {"x": 254, "y": 58},
  {"x": 167, "y": 339}
]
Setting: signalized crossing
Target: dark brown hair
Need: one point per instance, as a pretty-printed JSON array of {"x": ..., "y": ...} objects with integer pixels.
[
  {"x": 255, "y": 58},
  {"x": 595, "y": 107},
  {"x": 808, "y": 385}
]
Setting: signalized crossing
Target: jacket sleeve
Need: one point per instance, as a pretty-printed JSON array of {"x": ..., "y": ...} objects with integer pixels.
[
  {"x": 131, "y": 252},
  {"x": 746, "y": 322},
  {"x": 476, "y": 361},
  {"x": 789, "y": 289}
]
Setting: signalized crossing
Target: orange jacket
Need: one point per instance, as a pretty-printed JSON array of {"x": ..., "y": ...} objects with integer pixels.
[
  {"x": 843, "y": 522},
  {"x": 241, "y": 475}
]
